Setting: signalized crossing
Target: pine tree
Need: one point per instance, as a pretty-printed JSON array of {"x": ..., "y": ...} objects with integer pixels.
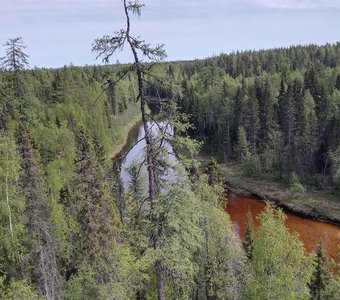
[
  {"x": 12, "y": 207},
  {"x": 281, "y": 105},
  {"x": 322, "y": 106}
]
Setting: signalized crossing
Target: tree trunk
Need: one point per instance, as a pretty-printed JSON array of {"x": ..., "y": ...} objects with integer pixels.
[{"x": 160, "y": 281}]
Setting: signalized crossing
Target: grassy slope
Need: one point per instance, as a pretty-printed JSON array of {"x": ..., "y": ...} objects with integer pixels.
[{"x": 126, "y": 120}]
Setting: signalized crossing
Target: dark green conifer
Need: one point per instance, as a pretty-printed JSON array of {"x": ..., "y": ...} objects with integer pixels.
[
  {"x": 39, "y": 227},
  {"x": 320, "y": 276}
]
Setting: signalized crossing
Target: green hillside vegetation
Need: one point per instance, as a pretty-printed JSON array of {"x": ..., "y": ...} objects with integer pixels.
[
  {"x": 68, "y": 231},
  {"x": 272, "y": 117}
]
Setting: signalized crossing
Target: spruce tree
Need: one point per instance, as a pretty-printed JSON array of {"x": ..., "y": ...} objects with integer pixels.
[
  {"x": 15, "y": 62},
  {"x": 95, "y": 211},
  {"x": 320, "y": 276},
  {"x": 39, "y": 227},
  {"x": 251, "y": 122},
  {"x": 242, "y": 144}
]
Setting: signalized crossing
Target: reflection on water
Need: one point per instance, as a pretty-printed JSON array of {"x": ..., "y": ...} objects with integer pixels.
[
  {"x": 310, "y": 231},
  {"x": 134, "y": 153}
]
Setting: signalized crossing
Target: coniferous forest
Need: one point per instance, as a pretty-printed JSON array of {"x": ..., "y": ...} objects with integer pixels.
[{"x": 70, "y": 230}]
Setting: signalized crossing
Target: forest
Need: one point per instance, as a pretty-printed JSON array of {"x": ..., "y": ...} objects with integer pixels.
[
  {"x": 68, "y": 228},
  {"x": 277, "y": 111}
]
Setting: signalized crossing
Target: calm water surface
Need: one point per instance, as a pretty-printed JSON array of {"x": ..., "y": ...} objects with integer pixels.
[{"x": 310, "y": 231}]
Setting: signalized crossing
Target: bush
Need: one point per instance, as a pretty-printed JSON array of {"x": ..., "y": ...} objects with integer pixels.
[
  {"x": 252, "y": 166},
  {"x": 296, "y": 187}
]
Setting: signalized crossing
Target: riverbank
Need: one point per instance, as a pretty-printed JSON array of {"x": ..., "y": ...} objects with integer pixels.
[
  {"x": 133, "y": 116},
  {"x": 314, "y": 204}
]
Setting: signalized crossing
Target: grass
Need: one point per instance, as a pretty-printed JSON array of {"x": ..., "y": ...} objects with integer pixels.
[
  {"x": 317, "y": 204},
  {"x": 125, "y": 121}
]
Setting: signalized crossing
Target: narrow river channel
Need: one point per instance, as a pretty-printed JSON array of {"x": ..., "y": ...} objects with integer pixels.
[{"x": 310, "y": 231}]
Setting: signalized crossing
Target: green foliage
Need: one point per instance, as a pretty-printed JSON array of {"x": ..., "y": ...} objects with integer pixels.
[
  {"x": 277, "y": 110},
  {"x": 335, "y": 159},
  {"x": 296, "y": 188},
  {"x": 20, "y": 289},
  {"x": 242, "y": 145},
  {"x": 180, "y": 238},
  {"x": 321, "y": 276},
  {"x": 332, "y": 290},
  {"x": 279, "y": 267},
  {"x": 214, "y": 172},
  {"x": 221, "y": 260},
  {"x": 83, "y": 286},
  {"x": 13, "y": 207},
  {"x": 39, "y": 163}
]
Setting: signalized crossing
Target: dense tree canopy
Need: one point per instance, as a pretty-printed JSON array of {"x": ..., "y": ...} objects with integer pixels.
[{"x": 68, "y": 228}]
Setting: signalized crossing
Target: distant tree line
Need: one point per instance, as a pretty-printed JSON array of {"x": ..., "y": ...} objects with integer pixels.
[{"x": 275, "y": 110}]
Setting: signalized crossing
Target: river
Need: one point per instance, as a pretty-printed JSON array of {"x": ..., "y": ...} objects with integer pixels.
[{"x": 310, "y": 231}]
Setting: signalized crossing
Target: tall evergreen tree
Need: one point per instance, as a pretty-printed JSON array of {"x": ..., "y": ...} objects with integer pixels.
[
  {"x": 38, "y": 225},
  {"x": 305, "y": 134},
  {"x": 321, "y": 275},
  {"x": 322, "y": 106},
  {"x": 239, "y": 109},
  {"x": 15, "y": 62},
  {"x": 242, "y": 144},
  {"x": 287, "y": 127},
  {"x": 95, "y": 210},
  {"x": 266, "y": 112},
  {"x": 251, "y": 122}
]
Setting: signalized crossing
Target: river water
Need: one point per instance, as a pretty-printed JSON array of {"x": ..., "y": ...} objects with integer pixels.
[{"x": 310, "y": 231}]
